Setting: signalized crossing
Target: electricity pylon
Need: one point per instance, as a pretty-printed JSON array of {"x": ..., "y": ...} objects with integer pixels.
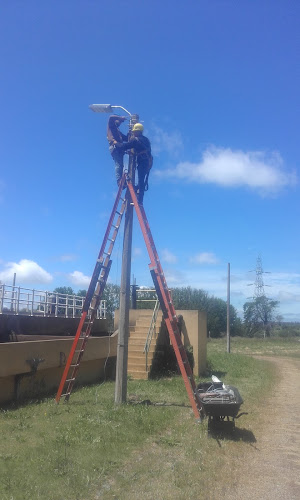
[{"x": 259, "y": 286}]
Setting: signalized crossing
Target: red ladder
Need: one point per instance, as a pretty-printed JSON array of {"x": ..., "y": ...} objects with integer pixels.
[
  {"x": 93, "y": 297},
  {"x": 95, "y": 292},
  {"x": 167, "y": 307}
]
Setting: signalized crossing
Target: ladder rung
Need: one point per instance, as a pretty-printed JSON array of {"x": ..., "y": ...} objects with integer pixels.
[
  {"x": 99, "y": 281},
  {"x": 111, "y": 239},
  {"x": 70, "y": 379},
  {"x": 117, "y": 227},
  {"x": 74, "y": 366},
  {"x": 79, "y": 350},
  {"x": 66, "y": 394}
]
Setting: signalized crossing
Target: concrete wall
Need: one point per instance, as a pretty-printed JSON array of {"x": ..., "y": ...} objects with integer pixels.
[
  {"x": 194, "y": 332},
  {"x": 40, "y": 325},
  {"x": 31, "y": 369}
]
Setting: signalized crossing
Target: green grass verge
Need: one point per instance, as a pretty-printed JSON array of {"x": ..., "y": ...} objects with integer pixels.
[
  {"x": 262, "y": 347},
  {"x": 90, "y": 449}
]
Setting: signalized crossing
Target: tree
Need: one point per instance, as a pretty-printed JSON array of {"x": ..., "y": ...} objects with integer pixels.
[
  {"x": 64, "y": 302},
  {"x": 66, "y": 290},
  {"x": 190, "y": 298},
  {"x": 259, "y": 315},
  {"x": 111, "y": 294},
  {"x": 145, "y": 299},
  {"x": 216, "y": 309}
]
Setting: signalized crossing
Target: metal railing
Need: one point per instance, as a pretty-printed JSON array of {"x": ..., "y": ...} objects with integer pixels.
[
  {"x": 30, "y": 302},
  {"x": 151, "y": 331},
  {"x": 149, "y": 295}
]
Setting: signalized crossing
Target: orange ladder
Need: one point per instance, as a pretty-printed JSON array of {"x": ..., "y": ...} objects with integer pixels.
[
  {"x": 95, "y": 292},
  {"x": 167, "y": 307},
  {"x": 93, "y": 297}
]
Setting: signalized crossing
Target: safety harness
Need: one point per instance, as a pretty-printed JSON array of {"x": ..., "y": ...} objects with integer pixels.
[{"x": 150, "y": 163}]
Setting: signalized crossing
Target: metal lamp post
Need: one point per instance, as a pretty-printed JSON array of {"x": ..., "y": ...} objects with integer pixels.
[{"x": 122, "y": 349}]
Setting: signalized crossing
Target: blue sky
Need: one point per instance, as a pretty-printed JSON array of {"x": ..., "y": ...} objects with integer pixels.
[{"x": 216, "y": 84}]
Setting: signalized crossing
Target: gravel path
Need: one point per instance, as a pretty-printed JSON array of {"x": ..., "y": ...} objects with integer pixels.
[{"x": 271, "y": 468}]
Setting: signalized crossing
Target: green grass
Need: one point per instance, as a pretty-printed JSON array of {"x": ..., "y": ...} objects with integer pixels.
[
  {"x": 89, "y": 449},
  {"x": 265, "y": 347}
]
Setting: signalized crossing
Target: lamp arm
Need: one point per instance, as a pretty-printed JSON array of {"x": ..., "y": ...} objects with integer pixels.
[{"x": 121, "y": 107}]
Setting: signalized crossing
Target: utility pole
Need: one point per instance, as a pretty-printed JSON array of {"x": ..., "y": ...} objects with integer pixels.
[
  {"x": 228, "y": 308},
  {"x": 122, "y": 349}
]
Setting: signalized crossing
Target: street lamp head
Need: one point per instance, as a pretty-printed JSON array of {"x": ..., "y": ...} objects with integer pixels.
[
  {"x": 101, "y": 108},
  {"x": 106, "y": 108}
]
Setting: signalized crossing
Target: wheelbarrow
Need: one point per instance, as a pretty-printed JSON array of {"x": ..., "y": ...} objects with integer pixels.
[{"x": 221, "y": 403}]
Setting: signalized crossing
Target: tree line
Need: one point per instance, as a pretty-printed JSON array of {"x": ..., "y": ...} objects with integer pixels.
[{"x": 259, "y": 313}]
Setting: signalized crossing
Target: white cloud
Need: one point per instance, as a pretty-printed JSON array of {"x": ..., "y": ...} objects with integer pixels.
[
  {"x": 167, "y": 256},
  {"x": 162, "y": 141},
  {"x": 67, "y": 258},
  {"x": 285, "y": 296},
  {"x": 284, "y": 287},
  {"x": 204, "y": 258},
  {"x": 175, "y": 278},
  {"x": 256, "y": 170},
  {"x": 79, "y": 279},
  {"x": 27, "y": 271}
]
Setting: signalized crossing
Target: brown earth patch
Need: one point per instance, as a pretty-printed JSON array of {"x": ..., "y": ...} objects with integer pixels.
[{"x": 271, "y": 468}]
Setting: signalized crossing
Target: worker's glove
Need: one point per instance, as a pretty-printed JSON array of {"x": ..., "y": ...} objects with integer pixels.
[{"x": 118, "y": 144}]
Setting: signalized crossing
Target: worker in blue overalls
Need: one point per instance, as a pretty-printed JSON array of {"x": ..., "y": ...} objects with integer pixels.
[
  {"x": 116, "y": 139},
  {"x": 142, "y": 147}
]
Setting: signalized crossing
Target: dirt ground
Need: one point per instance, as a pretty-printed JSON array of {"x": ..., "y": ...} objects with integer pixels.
[{"x": 271, "y": 467}]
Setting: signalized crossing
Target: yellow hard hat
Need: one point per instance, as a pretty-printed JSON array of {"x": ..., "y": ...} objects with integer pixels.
[{"x": 137, "y": 126}]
